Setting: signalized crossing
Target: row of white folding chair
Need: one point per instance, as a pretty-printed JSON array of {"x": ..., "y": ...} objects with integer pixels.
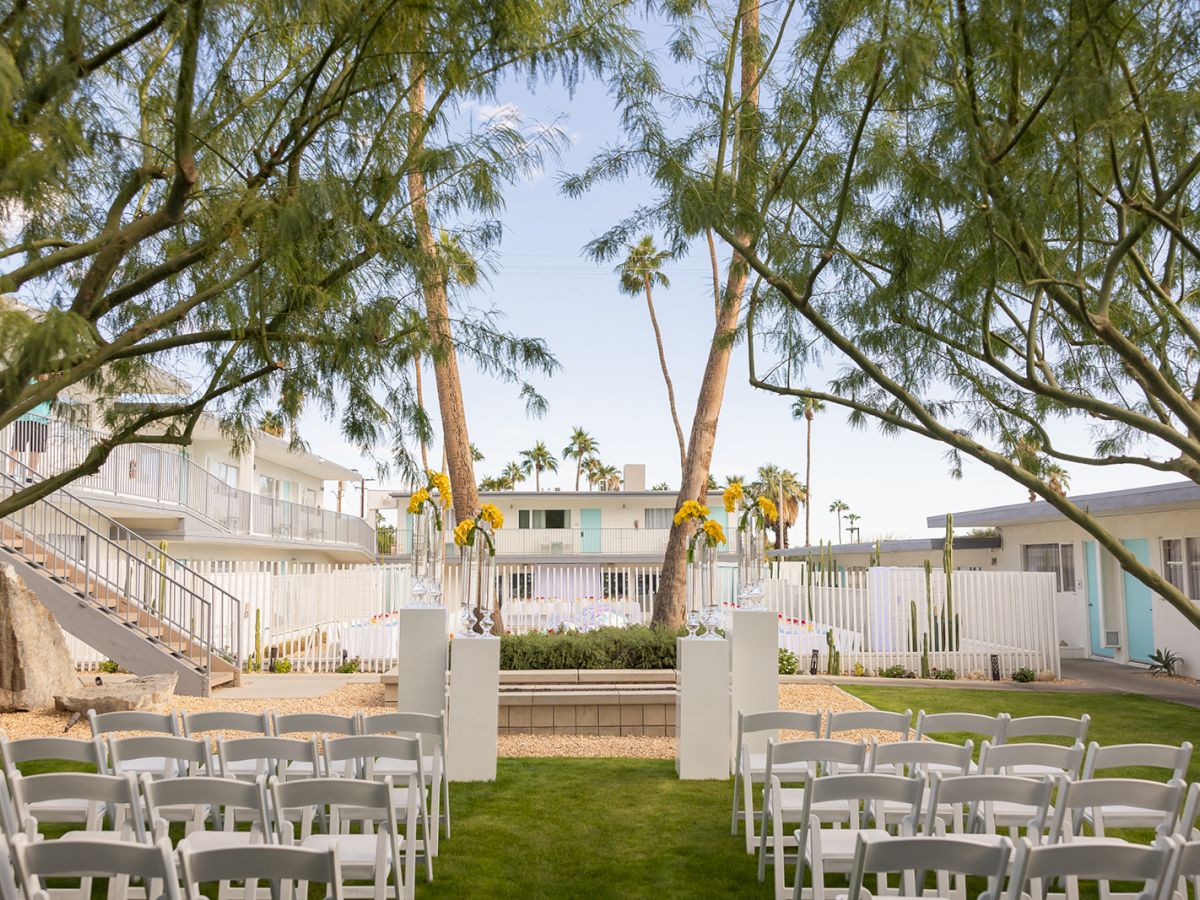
[{"x": 155, "y": 865}]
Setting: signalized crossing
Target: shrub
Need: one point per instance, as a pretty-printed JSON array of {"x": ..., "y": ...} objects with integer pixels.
[
  {"x": 109, "y": 667},
  {"x": 788, "y": 662},
  {"x": 896, "y": 671},
  {"x": 635, "y": 647},
  {"x": 1165, "y": 662},
  {"x": 283, "y": 665},
  {"x": 860, "y": 670},
  {"x": 945, "y": 674},
  {"x": 1024, "y": 675},
  {"x": 349, "y": 667}
]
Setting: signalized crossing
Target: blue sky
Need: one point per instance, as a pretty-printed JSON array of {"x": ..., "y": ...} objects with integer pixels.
[{"x": 610, "y": 382}]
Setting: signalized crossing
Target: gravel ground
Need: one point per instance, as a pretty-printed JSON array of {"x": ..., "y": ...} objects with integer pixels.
[{"x": 369, "y": 699}]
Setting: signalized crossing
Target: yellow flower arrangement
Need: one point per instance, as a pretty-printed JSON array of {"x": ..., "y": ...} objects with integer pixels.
[
  {"x": 690, "y": 510},
  {"x": 491, "y": 514},
  {"x": 767, "y": 505},
  {"x": 732, "y": 495},
  {"x": 419, "y": 498},
  {"x": 462, "y": 532},
  {"x": 441, "y": 481},
  {"x": 714, "y": 532}
]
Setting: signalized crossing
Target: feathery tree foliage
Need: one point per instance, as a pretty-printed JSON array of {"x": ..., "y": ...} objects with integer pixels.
[
  {"x": 217, "y": 189},
  {"x": 983, "y": 217}
]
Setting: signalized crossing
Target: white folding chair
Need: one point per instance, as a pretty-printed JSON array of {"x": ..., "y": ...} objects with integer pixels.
[
  {"x": 1146, "y": 801},
  {"x": 220, "y": 724},
  {"x": 368, "y": 855},
  {"x": 793, "y": 762},
  {"x": 971, "y": 801},
  {"x": 178, "y": 756},
  {"x": 312, "y": 723},
  {"x": 1173, "y": 761},
  {"x": 8, "y": 830},
  {"x": 912, "y": 858},
  {"x": 136, "y": 720},
  {"x": 1034, "y": 866},
  {"x": 283, "y": 866},
  {"x": 1023, "y": 727},
  {"x": 361, "y": 756},
  {"x": 915, "y": 759},
  {"x": 1184, "y": 867},
  {"x": 431, "y": 731},
  {"x": 89, "y": 753},
  {"x": 153, "y": 863},
  {"x": 107, "y": 798},
  {"x": 977, "y": 726},
  {"x": 824, "y": 851},
  {"x": 750, "y": 768},
  {"x": 252, "y": 758},
  {"x": 1028, "y": 761},
  {"x": 898, "y": 723}
]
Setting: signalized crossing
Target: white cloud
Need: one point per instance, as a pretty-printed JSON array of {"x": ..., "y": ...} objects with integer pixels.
[{"x": 498, "y": 115}]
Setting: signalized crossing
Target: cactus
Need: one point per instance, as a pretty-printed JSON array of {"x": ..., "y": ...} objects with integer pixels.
[
  {"x": 834, "y": 664},
  {"x": 948, "y": 568},
  {"x": 925, "y": 656},
  {"x": 912, "y": 605},
  {"x": 257, "y": 666}
]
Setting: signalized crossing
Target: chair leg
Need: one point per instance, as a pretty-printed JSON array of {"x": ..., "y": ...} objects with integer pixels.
[
  {"x": 733, "y": 822},
  {"x": 748, "y": 805}
]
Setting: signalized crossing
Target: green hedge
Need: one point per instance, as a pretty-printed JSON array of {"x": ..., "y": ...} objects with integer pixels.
[{"x": 635, "y": 647}]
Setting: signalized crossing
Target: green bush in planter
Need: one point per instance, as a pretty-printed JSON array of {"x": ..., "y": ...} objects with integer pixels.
[
  {"x": 635, "y": 647},
  {"x": 788, "y": 662}
]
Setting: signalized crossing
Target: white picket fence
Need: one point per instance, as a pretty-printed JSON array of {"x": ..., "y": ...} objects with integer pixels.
[{"x": 324, "y": 615}]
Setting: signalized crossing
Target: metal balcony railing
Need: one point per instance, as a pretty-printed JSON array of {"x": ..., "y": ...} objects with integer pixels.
[{"x": 551, "y": 542}]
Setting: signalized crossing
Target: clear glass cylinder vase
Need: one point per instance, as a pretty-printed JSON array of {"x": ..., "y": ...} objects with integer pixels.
[
  {"x": 420, "y": 555},
  {"x": 751, "y": 556},
  {"x": 477, "y": 587},
  {"x": 434, "y": 552},
  {"x": 704, "y": 603}
]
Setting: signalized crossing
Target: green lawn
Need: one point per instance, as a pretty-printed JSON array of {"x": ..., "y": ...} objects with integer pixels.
[{"x": 629, "y": 828}]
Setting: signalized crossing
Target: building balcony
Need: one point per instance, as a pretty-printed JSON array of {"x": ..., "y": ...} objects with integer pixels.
[{"x": 564, "y": 542}]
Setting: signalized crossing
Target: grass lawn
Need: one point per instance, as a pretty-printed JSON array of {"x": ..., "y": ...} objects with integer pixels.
[{"x": 629, "y": 828}]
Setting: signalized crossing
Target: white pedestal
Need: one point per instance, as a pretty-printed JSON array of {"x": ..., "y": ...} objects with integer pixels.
[
  {"x": 702, "y": 708},
  {"x": 424, "y": 655},
  {"x": 753, "y": 669},
  {"x": 474, "y": 708}
]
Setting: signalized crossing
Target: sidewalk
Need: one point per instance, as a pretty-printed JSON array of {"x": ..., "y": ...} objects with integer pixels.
[
  {"x": 1121, "y": 679},
  {"x": 293, "y": 686}
]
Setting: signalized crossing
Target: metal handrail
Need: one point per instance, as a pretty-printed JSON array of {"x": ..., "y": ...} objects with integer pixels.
[{"x": 164, "y": 599}]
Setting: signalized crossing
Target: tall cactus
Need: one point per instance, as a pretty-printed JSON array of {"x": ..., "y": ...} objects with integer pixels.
[
  {"x": 948, "y": 568},
  {"x": 834, "y": 663},
  {"x": 912, "y": 606},
  {"x": 258, "y": 640},
  {"x": 925, "y": 657}
]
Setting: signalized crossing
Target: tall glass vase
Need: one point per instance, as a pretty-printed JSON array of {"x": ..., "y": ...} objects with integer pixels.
[
  {"x": 420, "y": 556},
  {"x": 435, "y": 553},
  {"x": 751, "y": 552},
  {"x": 704, "y": 603},
  {"x": 477, "y": 588}
]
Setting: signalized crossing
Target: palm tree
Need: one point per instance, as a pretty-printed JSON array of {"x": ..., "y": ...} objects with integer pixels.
[
  {"x": 579, "y": 448},
  {"x": 852, "y": 528},
  {"x": 839, "y": 507},
  {"x": 493, "y": 483},
  {"x": 661, "y": 486},
  {"x": 731, "y": 480},
  {"x": 476, "y": 453},
  {"x": 784, "y": 489},
  {"x": 591, "y": 471},
  {"x": 538, "y": 459},
  {"x": 712, "y": 482},
  {"x": 640, "y": 273},
  {"x": 513, "y": 474},
  {"x": 807, "y": 408},
  {"x": 272, "y": 424},
  {"x": 609, "y": 478}
]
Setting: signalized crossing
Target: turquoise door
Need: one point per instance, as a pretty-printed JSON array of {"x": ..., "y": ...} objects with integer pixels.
[
  {"x": 1139, "y": 622},
  {"x": 589, "y": 530},
  {"x": 718, "y": 514},
  {"x": 1091, "y": 559}
]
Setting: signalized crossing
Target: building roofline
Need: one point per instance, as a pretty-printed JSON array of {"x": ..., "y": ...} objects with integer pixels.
[
  {"x": 502, "y": 494},
  {"x": 931, "y": 544},
  {"x": 1108, "y": 503}
]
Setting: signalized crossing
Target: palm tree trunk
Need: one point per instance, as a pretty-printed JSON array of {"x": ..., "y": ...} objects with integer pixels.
[
  {"x": 662, "y": 360},
  {"x": 669, "y": 598},
  {"x": 578, "y": 472},
  {"x": 537, "y": 480},
  {"x": 808, "y": 486},
  {"x": 421, "y": 406}
]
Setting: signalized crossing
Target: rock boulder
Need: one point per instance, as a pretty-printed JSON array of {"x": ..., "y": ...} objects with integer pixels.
[
  {"x": 35, "y": 664},
  {"x": 150, "y": 692}
]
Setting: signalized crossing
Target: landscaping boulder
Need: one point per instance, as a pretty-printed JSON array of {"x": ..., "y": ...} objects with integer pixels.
[
  {"x": 151, "y": 692},
  {"x": 35, "y": 664}
]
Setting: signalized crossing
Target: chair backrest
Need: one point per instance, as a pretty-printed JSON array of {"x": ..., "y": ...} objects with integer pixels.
[
  {"x": 314, "y": 723},
  {"x": 869, "y": 720},
  {"x": 89, "y": 752},
  {"x": 167, "y": 798},
  {"x": 1007, "y": 756},
  {"x": 1186, "y": 863},
  {"x": 117, "y": 794},
  {"x": 865, "y": 790},
  {"x": 403, "y": 723},
  {"x": 346, "y": 800},
  {"x": 8, "y": 875},
  {"x": 1093, "y": 862},
  {"x": 272, "y": 752},
  {"x": 8, "y": 815},
  {"x": 1129, "y": 793},
  {"x": 977, "y": 793},
  {"x": 990, "y": 727},
  {"x": 358, "y": 754},
  {"x": 155, "y": 863},
  {"x": 1149, "y": 756},
  {"x": 821, "y": 754},
  {"x": 777, "y": 720},
  {"x": 943, "y": 855},
  {"x": 134, "y": 720},
  {"x": 917, "y": 756},
  {"x": 181, "y": 756},
  {"x": 250, "y": 723},
  {"x": 1048, "y": 726},
  {"x": 268, "y": 863}
]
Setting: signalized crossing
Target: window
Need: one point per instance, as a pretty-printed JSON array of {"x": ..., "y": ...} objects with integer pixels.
[
  {"x": 544, "y": 518},
  {"x": 268, "y": 486},
  {"x": 520, "y": 586},
  {"x": 224, "y": 471},
  {"x": 613, "y": 584},
  {"x": 1181, "y": 564},
  {"x": 1056, "y": 558},
  {"x": 659, "y": 517}
]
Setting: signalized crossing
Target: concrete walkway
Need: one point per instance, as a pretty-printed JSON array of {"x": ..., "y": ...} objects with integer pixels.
[
  {"x": 293, "y": 686},
  {"x": 1121, "y": 679}
]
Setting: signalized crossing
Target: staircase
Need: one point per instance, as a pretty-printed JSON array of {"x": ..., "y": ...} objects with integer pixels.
[{"x": 119, "y": 593}]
